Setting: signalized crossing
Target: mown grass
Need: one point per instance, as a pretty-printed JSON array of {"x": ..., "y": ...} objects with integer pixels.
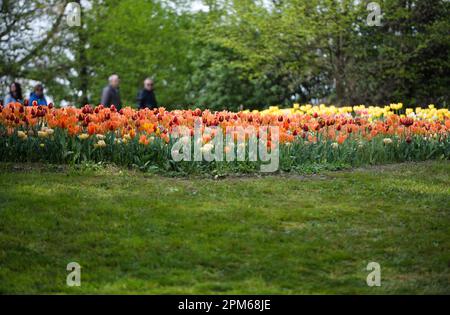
[{"x": 137, "y": 233}]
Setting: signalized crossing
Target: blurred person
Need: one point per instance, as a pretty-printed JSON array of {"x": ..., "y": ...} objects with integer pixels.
[
  {"x": 146, "y": 97},
  {"x": 15, "y": 94},
  {"x": 38, "y": 96},
  {"x": 111, "y": 93}
]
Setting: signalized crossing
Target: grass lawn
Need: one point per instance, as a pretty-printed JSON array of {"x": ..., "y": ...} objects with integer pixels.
[{"x": 137, "y": 233}]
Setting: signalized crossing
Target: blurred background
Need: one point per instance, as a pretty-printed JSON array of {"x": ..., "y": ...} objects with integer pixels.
[{"x": 227, "y": 54}]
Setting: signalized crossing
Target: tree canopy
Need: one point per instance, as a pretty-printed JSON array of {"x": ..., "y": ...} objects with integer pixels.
[{"x": 251, "y": 53}]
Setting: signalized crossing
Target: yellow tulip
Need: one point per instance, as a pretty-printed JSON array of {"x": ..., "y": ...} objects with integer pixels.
[
  {"x": 83, "y": 136},
  {"x": 42, "y": 134},
  {"x": 21, "y": 134}
]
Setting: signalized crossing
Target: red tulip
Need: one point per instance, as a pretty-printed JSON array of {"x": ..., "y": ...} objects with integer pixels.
[{"x": 407, "y": 121}]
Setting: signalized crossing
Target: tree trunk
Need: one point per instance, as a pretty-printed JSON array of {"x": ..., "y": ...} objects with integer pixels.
[{"x": 82, "y": 62}]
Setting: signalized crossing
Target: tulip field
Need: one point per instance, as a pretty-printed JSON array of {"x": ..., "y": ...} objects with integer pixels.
[
  {"x": 224, "y": 153},
  {"x": 102, "y": 188},
  {"x": 309, "y": 136}
]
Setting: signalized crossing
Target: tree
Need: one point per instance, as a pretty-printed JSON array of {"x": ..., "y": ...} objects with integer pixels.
[
  {"x": 138, "y": 39},
  {"x": 253, "y": 53},
  {"x": 26, "y": 44}
]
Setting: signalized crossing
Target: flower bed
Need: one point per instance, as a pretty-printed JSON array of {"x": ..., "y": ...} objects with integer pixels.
[{"x": 308, "y": 135}]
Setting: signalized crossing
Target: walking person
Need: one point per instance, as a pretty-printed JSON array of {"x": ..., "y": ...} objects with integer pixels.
[
  {"x": 37, "y": 96},
  {"x": 15, "y": 94},
  {"x": 146, "y": 97},
  {"x": 111, "y": 93}
]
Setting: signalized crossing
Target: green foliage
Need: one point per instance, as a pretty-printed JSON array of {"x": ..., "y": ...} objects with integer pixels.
[
  {"x": 250, "y": 53},
  {"x": 324, "y": 49},
  {"x": 25, "y": 47},
  {"x": 139, "y": 39}
]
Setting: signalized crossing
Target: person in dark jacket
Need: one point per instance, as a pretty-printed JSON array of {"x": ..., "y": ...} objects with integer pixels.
[
  {"x": 37, "y": 96},
  {"x": 146, "y": 97},
  {"x": 111, "y": 93},
  {"x": 15, "y": 94}
]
